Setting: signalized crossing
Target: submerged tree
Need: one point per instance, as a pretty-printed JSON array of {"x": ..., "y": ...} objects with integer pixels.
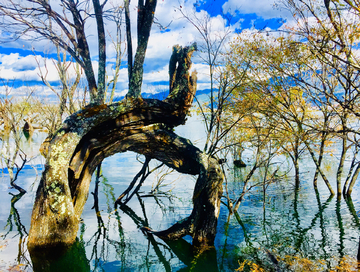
[
  {"x": 97, "y": 131},
  {"x": 330, "y": 29},
  {"x": 15, "y": 116},
  {"x": 305, "y": 81}
]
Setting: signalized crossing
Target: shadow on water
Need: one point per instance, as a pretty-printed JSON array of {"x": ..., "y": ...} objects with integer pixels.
[
  {"x": 49, "y": 259},
  {"x": 280, "y": 238},
  {"x": 140, "y": 222},
  {"x": 74, "y": 257},
  {"x": 165, "y": 251}
]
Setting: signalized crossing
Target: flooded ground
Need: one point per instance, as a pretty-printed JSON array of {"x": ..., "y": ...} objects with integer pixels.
[{"x": 281, "y": 224}]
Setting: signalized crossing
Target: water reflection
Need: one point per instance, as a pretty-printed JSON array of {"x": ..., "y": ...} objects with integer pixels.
[
  {"x": 166, "y": 251},
  {"x": 14, "y": 217},
  {"x": 204, "y": 260},
  {"x": 300, "y": 232},
  {"x": 14, "y": 225},
  {"x": 140, "y": 222},
  {"x": 101, "y": 241},
  {"x": 324, "y": 237},
  {"x": 277, "y": 226},
  {"x": 312, "y": 230},
  {"x": 61, "y": 259},
  {"x": 341, "y": 228},
  {"x": 355, "y": 217}
]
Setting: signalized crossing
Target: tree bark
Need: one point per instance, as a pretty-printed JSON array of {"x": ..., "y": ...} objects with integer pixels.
[
  {"x": 140, "y": 125},
  {"x": 102, "y": 51},
  {"x": 318, "y": 168},
  {"x": 145, "y": 19},
  {"x": 320, "y": 157},
  {"x": 202, "y": 222},
  {"x": 84, "y": 52},
  {"x": 353, "y": 181}
]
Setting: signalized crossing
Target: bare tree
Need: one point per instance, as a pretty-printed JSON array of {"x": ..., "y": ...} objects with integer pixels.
[
  {"x": 12, "y": 115},
  {"x": 117, "y": 42},
  {"x": 43, "y": 20},
  {"x": 66, "y": 95}
]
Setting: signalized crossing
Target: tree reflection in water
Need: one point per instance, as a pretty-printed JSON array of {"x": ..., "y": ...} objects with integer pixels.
[
  {"x": 271, "y": 230},
  {"x": 204, "y": 260},
  {"x": 317, "y": 236},
  {"x": 13, "y": 224},
  {"x": 166, "y": 251},
  {"x": 101, "y": 241}
]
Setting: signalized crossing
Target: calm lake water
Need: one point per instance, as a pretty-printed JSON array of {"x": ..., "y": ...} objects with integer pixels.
[{"x": 280, "y": 224}]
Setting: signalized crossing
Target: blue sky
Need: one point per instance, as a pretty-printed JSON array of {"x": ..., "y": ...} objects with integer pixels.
[{"x": 21, "y": 60}]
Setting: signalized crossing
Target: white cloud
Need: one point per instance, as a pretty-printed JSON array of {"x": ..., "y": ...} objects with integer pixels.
[
  {"x": 14, "y": 66},
  {"x": 180, "y": 31},
  {"x": 16, "y": 62},
  {"x": 156, "y": 76},
  {"x": 30, "y": 67},
  {"x": 123, "y": 74},
  {"x": 203, "y": 86},
  {"x": 263, "y": 8},
  {"x": 24, "y": 91},
  {"x": 202, "y": 72}
]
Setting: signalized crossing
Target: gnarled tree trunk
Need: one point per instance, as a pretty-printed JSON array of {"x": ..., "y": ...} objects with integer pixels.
[{"x": 140, "y": 125}]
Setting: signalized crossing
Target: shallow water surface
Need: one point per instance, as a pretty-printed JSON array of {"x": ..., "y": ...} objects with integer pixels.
[{"x": 283, "y": 223}]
